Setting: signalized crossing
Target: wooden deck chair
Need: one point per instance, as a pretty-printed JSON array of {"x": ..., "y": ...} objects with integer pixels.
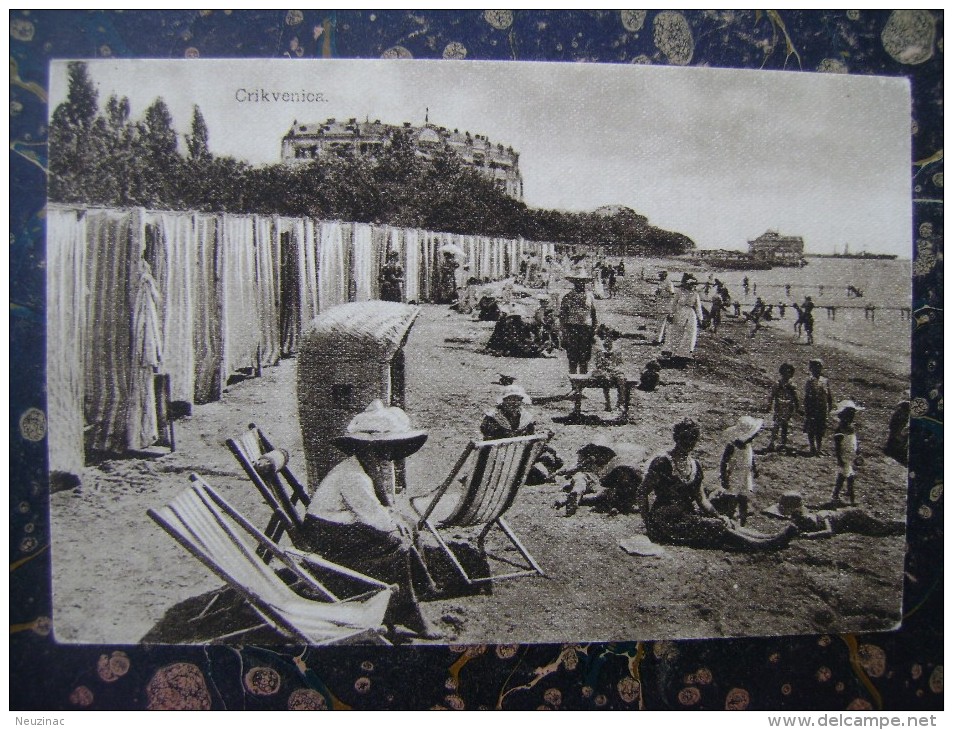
[
  {"x": 226, "y": 543},
  {"x": 281, "y": 489},
  {"x": 283, "y": 493},
  {"x": 496, "y": 471}
]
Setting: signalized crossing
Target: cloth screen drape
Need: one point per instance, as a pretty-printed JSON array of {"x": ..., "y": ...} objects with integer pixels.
[
  {"x": 178, "y": 317},
  {"x": 201, "y": 296},
  {"x": 411, "y": 263},
  {"x": 266, "y": 274},
  {"x": 108, "y": 327},
  {"x": 363, "y": 260},
  {"x": 65, "y": 338},
  {"x": 147, "y": 357},
  {"x": 308, "y": 268},
  {"x": 289, "y": 233},
  {"x": 379, "y": 256},
  {"x": 240, "y": 323},
  {"x": 207, "y": 310},
  {"x": 332, "y": 276}
]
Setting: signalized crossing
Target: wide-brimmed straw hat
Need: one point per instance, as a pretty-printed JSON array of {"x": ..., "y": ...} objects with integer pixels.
[
  {"x": 381, "y": 428},
  {"x": 787, "y": 505},
  {"x": 744, "y": 429},
  {"x": 514, "y": 391},
  {"x": 847, "y": 405}
]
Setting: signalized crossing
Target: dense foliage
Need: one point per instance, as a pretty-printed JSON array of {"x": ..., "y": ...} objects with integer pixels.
[{"x": 105, "y": 158}]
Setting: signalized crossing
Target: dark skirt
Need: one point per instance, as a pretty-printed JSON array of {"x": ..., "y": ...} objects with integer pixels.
[{"x": 577, "y": 341}]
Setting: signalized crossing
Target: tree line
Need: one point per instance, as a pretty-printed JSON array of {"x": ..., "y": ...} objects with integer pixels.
[{"x": 103, "y": 157}]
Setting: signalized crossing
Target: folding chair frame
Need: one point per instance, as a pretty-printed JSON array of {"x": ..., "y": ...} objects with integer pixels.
[
  {"x": 285, "y": 516},
  {"x": 290, "y": 559},
  {"x": 527, "y": 460}
]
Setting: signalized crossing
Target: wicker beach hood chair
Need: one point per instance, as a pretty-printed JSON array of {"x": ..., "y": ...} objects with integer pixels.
[
  {"x": 226, "y": 543},
  {"x": 490, "y": 473},
  {"x": 350, "y": 355}
]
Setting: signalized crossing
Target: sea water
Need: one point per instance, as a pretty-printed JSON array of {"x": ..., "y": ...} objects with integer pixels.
[{"x": 881, "y": 335}]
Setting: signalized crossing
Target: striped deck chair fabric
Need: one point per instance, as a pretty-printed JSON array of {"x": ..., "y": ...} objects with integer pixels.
[
  {"x": 225, "y": 542},
  {"x": 492, "y": 473}
]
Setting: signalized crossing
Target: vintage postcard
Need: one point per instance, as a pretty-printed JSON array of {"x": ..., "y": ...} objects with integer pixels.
[{"x": 441, "y": 352}]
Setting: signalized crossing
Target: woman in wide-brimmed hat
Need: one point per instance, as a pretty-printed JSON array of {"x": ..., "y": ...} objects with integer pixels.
[
  {"x": 686, "y": 315},
  {"x": 511, "y": 419},
  {"x": 352, "y": 515},
  {"x": 681, "y": 513}
]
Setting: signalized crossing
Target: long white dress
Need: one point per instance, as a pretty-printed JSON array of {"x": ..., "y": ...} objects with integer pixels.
[{"x": 683, "y": 332}]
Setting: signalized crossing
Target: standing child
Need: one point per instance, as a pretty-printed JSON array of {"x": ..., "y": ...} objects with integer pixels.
[
  {"x": 738, "y": 469},
  {"x": 784, "y": 403},
  {"x": 818, "y": 402},
  {"x": 608, "y": 371},
  {"x": 846, "y": 450}
]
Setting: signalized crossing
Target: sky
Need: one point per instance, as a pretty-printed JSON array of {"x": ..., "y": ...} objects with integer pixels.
[{"x": 719, "y": 155}]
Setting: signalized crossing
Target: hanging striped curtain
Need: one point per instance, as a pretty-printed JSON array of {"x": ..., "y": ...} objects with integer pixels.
[
  {"x": 433, "y": 262},
  {"x": 332, "y": 280},
  {"x": 177, "y": 313},
  {"x": 411, "y": 263},
  {"x": 142, "y": 426},
  {"x": 379, "y": 235},
  {"x": 363, "y": 256},
  {"x": 308, "y": 268},
  {"x": 240, "y": 319},
  {"x": 108, "y": 321},
  {"x": 65, "y": 337},
  {"x": 289, "y": 232},
  {"x": 473, "y": 260},
  {"x": 486, "y": 260},
  {"x": 207, "y": 307},
  {"x": 266, "y": 275}
]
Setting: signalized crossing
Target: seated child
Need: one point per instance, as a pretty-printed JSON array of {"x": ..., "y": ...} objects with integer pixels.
[{"x": 649, "y": 379}]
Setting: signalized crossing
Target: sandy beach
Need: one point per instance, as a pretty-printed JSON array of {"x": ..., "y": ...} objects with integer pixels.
[{"x": 118, "y": 578}]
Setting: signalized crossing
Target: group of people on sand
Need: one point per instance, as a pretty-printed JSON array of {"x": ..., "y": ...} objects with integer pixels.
[{"x": 358, "y": 521}]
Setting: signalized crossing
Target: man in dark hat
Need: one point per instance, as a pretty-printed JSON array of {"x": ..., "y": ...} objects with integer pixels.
[
  {"x": 577, "y": 317},
  {"x": 352, "y": 517}
]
